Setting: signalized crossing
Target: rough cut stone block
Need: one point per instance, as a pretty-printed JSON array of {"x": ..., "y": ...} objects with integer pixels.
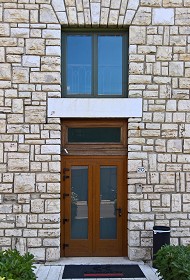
[
  {"x": 176, "y": 68},
  {"x": 163, "y": 16},
  {"x": 52, "y": 206},
  {"x": 18, "y": 162},
  {"x": 35, "y": 46},
  {"x": 37, "y": 206},
  {"x": 35, "y": 114},
  {"x": 45, "y": 77},
  {"x": 16, "y": 15},
  {"x": 137, "y": 35},
  {"x": 24, "y": 183},
  {"x": 31, "y": 61},
  {"x": 4, "y": 30},
  {"x": 5, "y": 71},
  {"x": 47, "y": 14},
  {"x": 20, "y": 75}
]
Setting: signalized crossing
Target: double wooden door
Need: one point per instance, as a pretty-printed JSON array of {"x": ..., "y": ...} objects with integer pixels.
[{"x": 93, "y": 206}]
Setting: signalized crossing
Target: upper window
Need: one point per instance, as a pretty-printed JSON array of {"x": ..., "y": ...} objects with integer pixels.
[{"x": 94, "y": 64}]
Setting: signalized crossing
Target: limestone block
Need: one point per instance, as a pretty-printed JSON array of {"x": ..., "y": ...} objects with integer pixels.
[
  {"x": 51, "y": 242},
  {"x": 186, "y": 145},
  {"x": 184, "y": 82},
  {"x": 52, "y": 206},
  {"x": 49, "y": 232},
  {"x": 104, "y": 16},
  {"x": 35, "y": 46},
  {"x": 20, "y": 75},
  {"x": 178, "y": 40},
  {"x": 174, "y": 146},
  {"x": 20, "y": 32},
  {"x": 47, "y": 14},
  {"x": 133, "y": 206},
  {"x": 17, "y": 106},
  {"x": 172, "y": 3},
  {"x": 18, "y": 162},
  {"x": 50, "y": 149},
  {"x": 5, "y": 241},
  {"x": 17, "y": 128},
  {"x": 45, "y": 77},
  {"x": 2, "y": 54},
  {"x": 48, "y": 177},
  {"x": 24, "y": 183},
  {"x": 113, "y": 17},
  {"x": 4, "y": 30},
  {"x": 140, "y": 79},
  {"x": 167, "y": 178},
  {"x": 34, "y": 242},
  {"x": 49, "y": 218},
  {"x": 39, "y": 253},
  {"x": 37, "y": 206},
  {"x": 50, "y": 63},
  {"x": 163, "y": 16},
  {"x": 184, "y": 105},
  {"x": 62, "y": 17},
  {"x": 143, "y": 16},
  {"x": 164, "y": 53},
  {"x": 133, "y": 4},
  {"x": 5, "y": 71},
  {"x": 182, "y": 16},
  {"x": 51, "y": 34},
  {"x": 176, "y": 202},
  {"x": 53, "y": 50},
  {"x": 136, "y": 68},
  {"x": 134, "y": 238},
  {"x": 16, "y": 15},
  {"x": 176, "y": 68},
  {"x": 31, "y": 60},
  {"x": 58, "y": 5},
  {"x": 35, "y": 114},
  {"x": 52, "y": 254},
  {"x": 6, "y": 209},
  {"x": 95, "y": 13},
  {"x": 129, "y": 15},
  {"x": 21, "y": 220},
  {"x": 137, "y": 35}
]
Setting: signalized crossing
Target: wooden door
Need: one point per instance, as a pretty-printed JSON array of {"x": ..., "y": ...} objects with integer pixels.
[{"x": 93, "y": 206}]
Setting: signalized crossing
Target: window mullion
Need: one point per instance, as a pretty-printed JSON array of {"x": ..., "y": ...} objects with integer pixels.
[{"x": 95, "y": 65}]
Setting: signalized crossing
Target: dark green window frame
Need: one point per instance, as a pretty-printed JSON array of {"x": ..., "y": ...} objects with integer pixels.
[{"x": 94, "y": 89}]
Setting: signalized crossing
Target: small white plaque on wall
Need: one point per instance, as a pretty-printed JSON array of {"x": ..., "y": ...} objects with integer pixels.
[{"x": 94, "y": 107}]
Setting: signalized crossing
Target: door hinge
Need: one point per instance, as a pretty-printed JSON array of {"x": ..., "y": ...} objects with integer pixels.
[
  {"x": 65, "y": 169},
  {"x": 65, "y": 220},
  {"x": 65, "y": 245},
  {"x": 65, "y": 195},
  {"x": 65, "y": 177}
]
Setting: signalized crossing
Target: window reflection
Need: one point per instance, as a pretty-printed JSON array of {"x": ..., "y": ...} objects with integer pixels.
[{"x": 79, "y": 202}]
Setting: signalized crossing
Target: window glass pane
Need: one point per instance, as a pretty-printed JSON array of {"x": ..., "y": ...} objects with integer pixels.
[
  {"x": 94, "y": 134},
  {"x": 110, "y": 65},
  {"x": 79, "y": 202},
  {"x": 79, "y": 64},
  {"x": 108, "y": 202}
]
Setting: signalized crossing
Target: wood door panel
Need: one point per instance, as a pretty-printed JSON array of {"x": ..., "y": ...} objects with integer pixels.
[{"x": 94, "y": 245}]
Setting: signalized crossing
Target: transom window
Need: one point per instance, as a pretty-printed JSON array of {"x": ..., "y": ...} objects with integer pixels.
[{"x": 94, "y": 64}]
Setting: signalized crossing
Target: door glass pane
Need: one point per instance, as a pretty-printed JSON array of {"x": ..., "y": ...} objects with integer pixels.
[
  {"x": 94, "y": 134},
  {"x": 79, "y": 64},
  {"x": 79, "y": 202},
  {"x": 110, "y": 65},
  {"x": 108, "y": 202}
]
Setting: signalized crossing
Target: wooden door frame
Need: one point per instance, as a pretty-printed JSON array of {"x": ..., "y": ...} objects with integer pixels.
[{"x": 104, "y": 150}]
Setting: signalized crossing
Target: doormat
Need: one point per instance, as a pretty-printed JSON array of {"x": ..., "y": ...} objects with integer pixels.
[{"x": 102, "y": 271}]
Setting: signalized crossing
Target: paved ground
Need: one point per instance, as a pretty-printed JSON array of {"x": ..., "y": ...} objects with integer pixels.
[{"x": 54, "y": 270}]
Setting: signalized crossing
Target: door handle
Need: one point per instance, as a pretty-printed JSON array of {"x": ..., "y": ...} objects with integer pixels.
[{"x": 119, "y": 211}]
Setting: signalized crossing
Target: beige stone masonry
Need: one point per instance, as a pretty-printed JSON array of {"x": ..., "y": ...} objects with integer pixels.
[{"x": 30, "y": 73}]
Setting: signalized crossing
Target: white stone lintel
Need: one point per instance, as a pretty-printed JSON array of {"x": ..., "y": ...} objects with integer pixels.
[{"x": 94, "y": 107}]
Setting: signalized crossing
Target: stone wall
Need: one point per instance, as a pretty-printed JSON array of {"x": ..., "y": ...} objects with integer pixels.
[{"x": 159, "y": 72}]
